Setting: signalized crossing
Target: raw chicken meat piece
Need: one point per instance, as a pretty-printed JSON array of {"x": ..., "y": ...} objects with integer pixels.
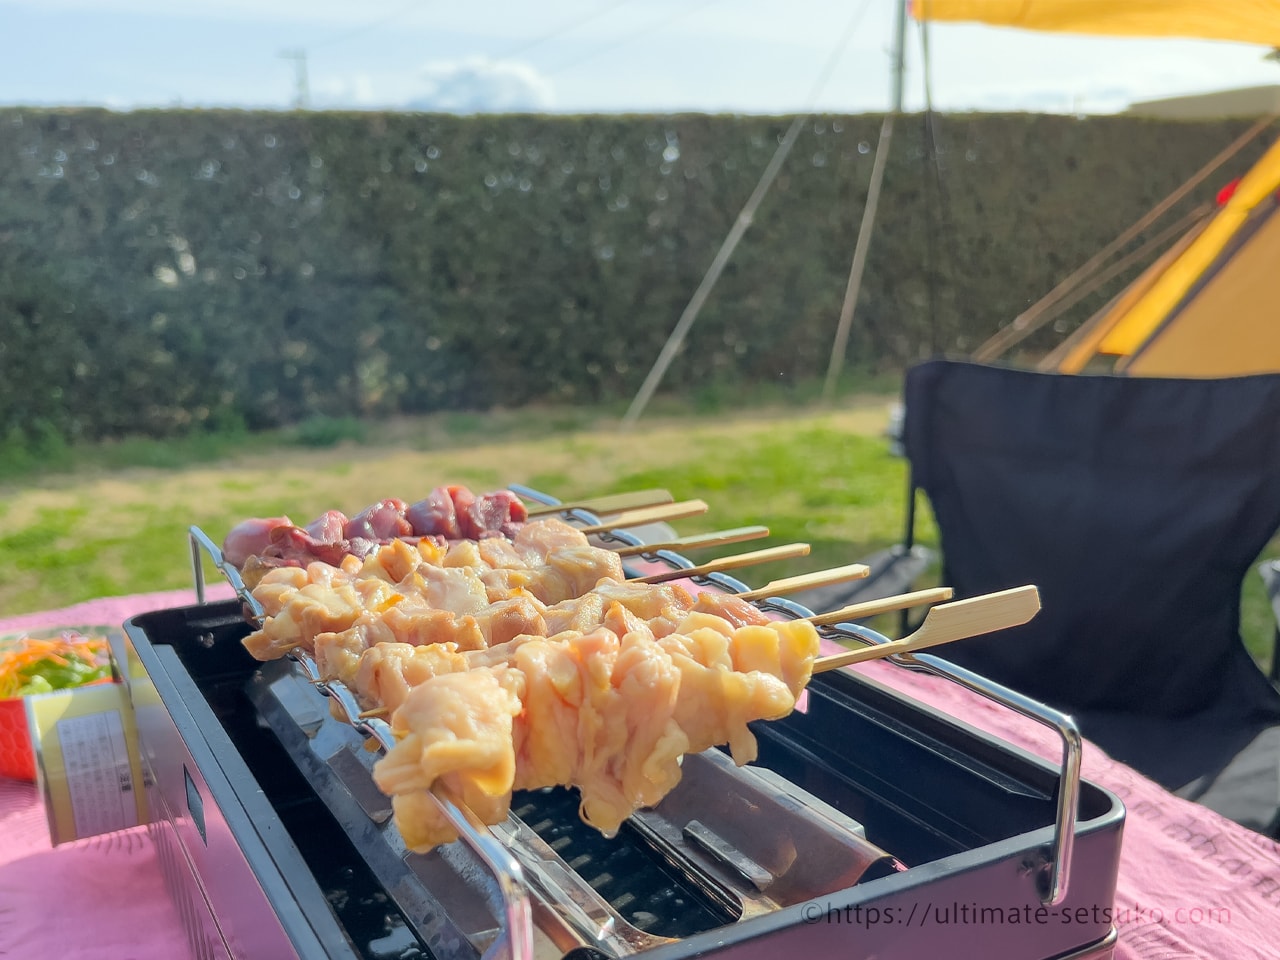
[
  {"x": 609, "y": 715},
  {"x": 447, "y": 513},
  {"x": 435, "y": 514},
  {"x": 250, "y": 538},
  {"x": 385, "y": 520},
  {"x": 456, "y": 734}
]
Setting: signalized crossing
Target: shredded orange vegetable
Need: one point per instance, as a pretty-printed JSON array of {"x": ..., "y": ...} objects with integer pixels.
[{"x": 20, "y": 659}]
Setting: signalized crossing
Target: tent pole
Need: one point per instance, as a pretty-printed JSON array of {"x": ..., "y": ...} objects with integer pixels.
[
  {"x": 1193, "y": 219},
  {"x": 1032, "y": 319},
  {"x": 854, "y": 285},
  {"x": 676, "y": 338},
  {"x": 838, "y": 348},
  {"x": 1073, "y": 353}
]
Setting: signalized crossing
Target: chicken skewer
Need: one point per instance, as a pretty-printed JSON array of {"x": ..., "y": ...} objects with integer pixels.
[
  {"x": 612, "y": 714},
  {"x": 382, "y": 673},
  {"x": 345, "y": 655},
  {"x": 609, "y": 603},
  {"x": 380, "y": 667},
  {"x": 548, "y": 562},
  {"x": 447, "y": 514},
  {"x": 259, "y": 544}
]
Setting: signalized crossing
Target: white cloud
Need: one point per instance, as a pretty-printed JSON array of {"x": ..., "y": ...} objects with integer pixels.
[
  {"x": 744, "y": 56},
  {"x": 480, "y": 85}
]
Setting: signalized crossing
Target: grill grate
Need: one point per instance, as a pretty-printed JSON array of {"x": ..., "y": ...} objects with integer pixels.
[{"x": 648, "y": 894}]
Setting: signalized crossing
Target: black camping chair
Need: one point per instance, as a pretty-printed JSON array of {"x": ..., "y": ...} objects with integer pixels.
[{"x": 1137, "y": 505}]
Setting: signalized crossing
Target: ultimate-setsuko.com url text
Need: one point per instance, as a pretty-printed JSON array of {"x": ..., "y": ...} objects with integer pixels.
[{"x": 956, "y": 914}]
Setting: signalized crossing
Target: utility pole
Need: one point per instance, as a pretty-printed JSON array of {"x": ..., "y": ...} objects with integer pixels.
[
  {"x": 302, "y": 91},
  {"x": 899, "y": 56},
  {"x": 869, "y": 211}
]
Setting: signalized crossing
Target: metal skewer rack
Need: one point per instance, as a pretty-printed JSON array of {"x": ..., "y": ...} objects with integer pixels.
[{"x": 514, "y": 870}]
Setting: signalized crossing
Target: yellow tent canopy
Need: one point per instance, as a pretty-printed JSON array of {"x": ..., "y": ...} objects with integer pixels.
[
  {"x": 1242, "y": 21},
  {"x": 1211, "y": 310},
  {"x": 1208, "y": 306}
]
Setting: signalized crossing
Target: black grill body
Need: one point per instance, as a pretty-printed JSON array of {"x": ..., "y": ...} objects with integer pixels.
[{"x": 274, "y": 854}]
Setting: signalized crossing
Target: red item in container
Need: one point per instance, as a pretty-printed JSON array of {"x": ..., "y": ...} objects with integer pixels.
[{"x": 17, "y": 760}]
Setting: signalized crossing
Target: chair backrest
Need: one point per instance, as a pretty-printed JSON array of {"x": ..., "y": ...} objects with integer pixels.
[{"x": 1136, "y": 505}]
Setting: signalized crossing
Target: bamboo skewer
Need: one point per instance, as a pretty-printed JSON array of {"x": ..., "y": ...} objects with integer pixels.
[
  {"x": 720, "y": 538},
  {"x": 871, "y": 608},
  {"x": 948, "y": 622},
  {"x": 786, "y": 552},
  {"x": 612, "y": 503},
  {"x": 637, "y": 518},
  {"x": 807, "y": 581}
]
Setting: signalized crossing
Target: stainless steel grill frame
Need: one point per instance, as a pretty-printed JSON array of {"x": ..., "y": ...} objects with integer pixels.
[{"x": 256, "y": 896}]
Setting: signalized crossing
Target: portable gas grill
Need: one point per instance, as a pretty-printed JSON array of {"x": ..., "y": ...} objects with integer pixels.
[{"x": 870, "y": 826}]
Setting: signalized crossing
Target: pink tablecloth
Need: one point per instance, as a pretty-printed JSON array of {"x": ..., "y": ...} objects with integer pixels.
[
  {"x": 102, "y": 898},
  {"x": 1192, "y": 884}
]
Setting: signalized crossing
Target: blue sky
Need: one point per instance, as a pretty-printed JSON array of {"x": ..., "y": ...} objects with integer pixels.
[{"x": 743, "y": 56}]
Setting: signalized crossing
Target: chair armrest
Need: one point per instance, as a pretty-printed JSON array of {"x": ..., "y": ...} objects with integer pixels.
[{"x": 1269, "y": 570}]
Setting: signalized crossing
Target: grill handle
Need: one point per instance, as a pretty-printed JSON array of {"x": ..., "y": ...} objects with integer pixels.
[
  {"x": 1055, "y": 869},
  {"x": 200, "y": 542},
  {"x": 1055, "y": 872}
]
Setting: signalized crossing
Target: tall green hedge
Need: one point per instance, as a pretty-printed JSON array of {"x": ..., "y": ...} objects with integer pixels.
[{"x": 175, "y": 270}]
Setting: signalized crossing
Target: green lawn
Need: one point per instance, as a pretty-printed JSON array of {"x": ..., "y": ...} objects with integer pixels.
[{"x": 823, "y": 477}]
